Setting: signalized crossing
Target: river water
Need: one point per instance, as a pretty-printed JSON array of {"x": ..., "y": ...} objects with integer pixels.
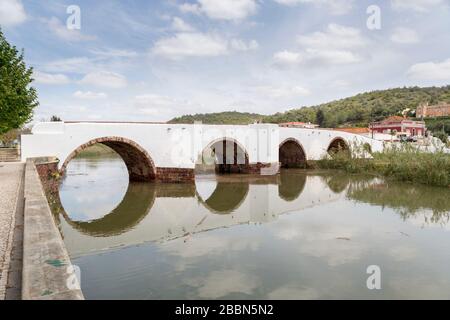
[{"x": 298, "y": 235}]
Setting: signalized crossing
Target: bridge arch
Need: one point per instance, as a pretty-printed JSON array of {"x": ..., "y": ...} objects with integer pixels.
[
  {"x": 291, "y": 186},
  {"x": 139, "y": 196},
  {"x": 226, "y": 196},
  {"x": 291, "y": 154},
  {"x": 338, "y": 144},
  {"x": 218, "y": 151},
  {"x": 139, "y": 164}
]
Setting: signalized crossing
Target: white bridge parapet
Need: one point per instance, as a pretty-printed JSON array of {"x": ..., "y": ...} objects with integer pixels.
[{"x": 166, "y": 148}]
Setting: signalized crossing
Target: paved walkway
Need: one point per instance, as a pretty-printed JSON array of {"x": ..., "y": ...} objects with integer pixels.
[{"x": 11, "y": 175}]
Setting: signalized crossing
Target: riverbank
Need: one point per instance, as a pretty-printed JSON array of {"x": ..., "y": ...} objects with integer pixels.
[
  {"x": 97, "y": 150},
  {"x": 398, "y": 163}
]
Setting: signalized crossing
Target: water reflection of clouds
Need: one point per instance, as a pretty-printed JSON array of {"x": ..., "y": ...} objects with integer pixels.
[
  {"x": 427, "y": 219},
  {"x": 205, "y": 186},
  {"x": 332, "y": 242},
  {"x": 201, "y": 245},
  {"x": 336, "y": 252},
  {"x": 418, "y": 286},
  {"x": 106, "y": 182},
  {"x": 403, "y": 253},
  {"x": 221, "y": 283},
  {"x": 290, "y": 292}
]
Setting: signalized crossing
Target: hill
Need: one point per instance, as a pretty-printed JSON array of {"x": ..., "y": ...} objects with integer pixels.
[
  {"x": 356, "y": 111},
  {"x": 364, "y": 108},
  {"x": 228, "y": 117}
]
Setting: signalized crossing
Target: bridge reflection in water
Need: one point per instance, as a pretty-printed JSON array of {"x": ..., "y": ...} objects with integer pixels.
[{"x": 160, "y": 212}]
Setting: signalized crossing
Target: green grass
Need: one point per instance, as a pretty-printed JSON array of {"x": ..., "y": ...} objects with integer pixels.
[{"x": 403, "y": 163}]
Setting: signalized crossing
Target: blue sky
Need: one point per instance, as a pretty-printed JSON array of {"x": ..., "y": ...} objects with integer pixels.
[{"x": 153, "y": 60}]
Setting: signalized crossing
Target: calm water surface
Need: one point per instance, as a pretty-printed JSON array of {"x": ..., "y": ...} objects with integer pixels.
[{"x": 299, "y": 235}]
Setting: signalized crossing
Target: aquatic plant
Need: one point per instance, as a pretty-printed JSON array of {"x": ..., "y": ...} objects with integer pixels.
[{"x": 403, "y": 162}]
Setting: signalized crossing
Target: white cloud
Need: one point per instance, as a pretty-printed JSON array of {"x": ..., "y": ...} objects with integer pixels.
[
  {"x": 62, "y": 32},
  {"x": 405, "y": 36},
  {"x": 283, "y": 92},
  {"x": 190, "y": 8},
  {"x": 105, "y": 79},
  {"x": 330, "y": 57},
  {"x": 430, "y": 70},
  {"x": 153, "y": 100},
  {"x": 197, "y": 44},
  {"x": 287, "y": 58},
  {"x": 241, "y": 45},
  {"x": 104, "y": 59},
  {"x": 48, "y": 78},
  {"x": 334, "y": 37},
  {"x": 334, "y": 46},
  {"x": 12, "y": 12},
  {"x": 336, "y": 7},
  {"x": 190, "y": 45},
  {"x": 89, "y": 95},
  {"x": 222, "y": 10},
  {"x": 416, "y": 5},
  {"x": 115, "y": 53},
  {"x": 159, "y": 107},
  {"x": 75, "y": 65},
  {"x": 179, "y": 24}
]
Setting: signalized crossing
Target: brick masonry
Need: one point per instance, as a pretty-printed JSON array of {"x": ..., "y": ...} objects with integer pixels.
[
  {"x": 171, "y": 175},
  {"x": 49, "y": 174}
]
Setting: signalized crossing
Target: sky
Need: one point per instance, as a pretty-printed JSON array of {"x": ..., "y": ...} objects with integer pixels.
[{"x": 139, "y": 60}]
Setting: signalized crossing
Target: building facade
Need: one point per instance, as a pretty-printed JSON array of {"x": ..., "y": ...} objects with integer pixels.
[
  {"x": 396, "y": 124},
  {"x": 439, "y": 110}
]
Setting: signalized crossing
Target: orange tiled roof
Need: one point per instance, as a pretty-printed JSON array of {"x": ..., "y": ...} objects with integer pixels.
[
  {"x": 353, "y": 130},
  {"x": 394, "y": 119}
]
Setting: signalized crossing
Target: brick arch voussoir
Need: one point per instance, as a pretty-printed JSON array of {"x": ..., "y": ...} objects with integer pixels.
[
  {"x": 145, "y": 171},
  {"x": 338, "y": 139}
]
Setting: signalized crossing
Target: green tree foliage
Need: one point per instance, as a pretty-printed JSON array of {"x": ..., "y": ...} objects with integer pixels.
[
  {"x": 229, "y": 117},
  {"x": 17, "y": 98},
  {"x": 356, "y": 111},
  {"x": 438, "y": 124},
  {"x": 363, "y": 108},
  {"x": 320, "y": 118}
]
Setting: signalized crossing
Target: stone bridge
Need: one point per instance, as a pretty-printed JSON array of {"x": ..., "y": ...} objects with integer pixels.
[{"x": 170, "y": 152}]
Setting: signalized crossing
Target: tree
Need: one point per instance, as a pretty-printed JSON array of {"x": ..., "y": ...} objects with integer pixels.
[
  {"x": 17, "y": 97},
  {"x": 320, "y": 117},
  {"x": 9, "y": 137},
  {"x": 55, "y": 119}
]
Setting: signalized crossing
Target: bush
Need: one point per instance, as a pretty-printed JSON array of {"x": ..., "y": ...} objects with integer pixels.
[
  {"x": 442, "y": 136},
  {"x": 404, "y": 163}
]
